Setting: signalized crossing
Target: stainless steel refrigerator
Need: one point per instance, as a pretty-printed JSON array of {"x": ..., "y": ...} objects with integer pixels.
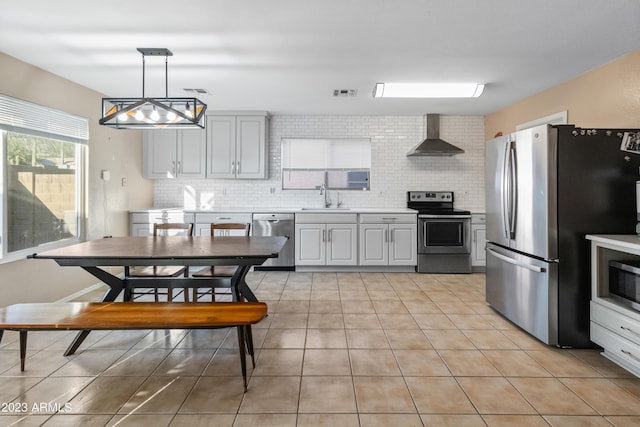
[{"x": 546, "y": 188}]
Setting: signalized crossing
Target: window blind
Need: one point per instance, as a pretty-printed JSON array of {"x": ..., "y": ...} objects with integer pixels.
[{"x": 21, "y": 116}]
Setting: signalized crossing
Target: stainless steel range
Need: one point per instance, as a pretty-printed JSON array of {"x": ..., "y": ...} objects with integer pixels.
[{"x": 444, "y": 233}]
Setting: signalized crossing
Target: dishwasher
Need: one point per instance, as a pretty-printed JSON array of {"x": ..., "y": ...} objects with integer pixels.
[{"x": 276, "y": 224}]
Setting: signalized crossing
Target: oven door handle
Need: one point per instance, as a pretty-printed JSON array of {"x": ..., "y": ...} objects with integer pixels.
[
  {"x": 515, "y": 262},
  {"x": 444, "y": 216}
]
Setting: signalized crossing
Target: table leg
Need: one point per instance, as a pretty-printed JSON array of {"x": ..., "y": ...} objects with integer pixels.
[
  {"x": 76, "y": 342},
  {"x": 115, "y": 287},
  {"x": 241, "y": 288}
]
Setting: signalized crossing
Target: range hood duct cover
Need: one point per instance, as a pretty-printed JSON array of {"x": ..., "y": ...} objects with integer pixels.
[{"x": 432, "y": 144}]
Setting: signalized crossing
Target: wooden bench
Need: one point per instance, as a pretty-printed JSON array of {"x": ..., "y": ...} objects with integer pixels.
[{"x": 87, "y": 316}]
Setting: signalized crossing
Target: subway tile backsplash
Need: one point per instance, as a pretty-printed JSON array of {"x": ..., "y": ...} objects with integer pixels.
[{"x": 392, "y": 172}]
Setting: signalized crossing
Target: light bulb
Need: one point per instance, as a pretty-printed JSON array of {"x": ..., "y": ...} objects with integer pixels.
[
  {"x": 187, "y": 111},
  {"x": 139, "y": 115},
  {"x": 155, "y": 116},
  {"x": 171, "y": 116},
  {"x": 123, "y": 115}
]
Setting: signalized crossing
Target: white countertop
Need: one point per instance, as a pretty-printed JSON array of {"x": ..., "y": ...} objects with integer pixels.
[
  {"x": 630, "y": 241},
  {"x": 283, "y": 210}
]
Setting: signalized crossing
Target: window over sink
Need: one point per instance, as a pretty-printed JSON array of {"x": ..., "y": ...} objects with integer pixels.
[{"x": 314, "y": 163}]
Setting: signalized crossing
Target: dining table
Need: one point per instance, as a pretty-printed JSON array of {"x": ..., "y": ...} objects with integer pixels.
[{"x": 98, "y": 256}]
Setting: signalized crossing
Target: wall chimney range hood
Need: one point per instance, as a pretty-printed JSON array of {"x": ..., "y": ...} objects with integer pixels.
[{"x": 432, "y": 144}]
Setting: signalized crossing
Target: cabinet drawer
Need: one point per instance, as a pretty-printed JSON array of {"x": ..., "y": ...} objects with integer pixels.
[
  {"x": 223, "y": 217},
  {"x": 322, "y": 218},
  {"x": 617, "y": 348},
  {"x": 617, "y": 322},
  {"x": 387, "y": 218},
  {"x": 478, "y": 218},
  {"x": 156, "y": 217}
]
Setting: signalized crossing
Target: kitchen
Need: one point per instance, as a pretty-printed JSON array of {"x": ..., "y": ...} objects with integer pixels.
[{"x": 600, "y": 97}]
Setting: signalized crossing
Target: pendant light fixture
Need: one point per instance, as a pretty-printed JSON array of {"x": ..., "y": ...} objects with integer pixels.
[{"x": 161, "y": 113}]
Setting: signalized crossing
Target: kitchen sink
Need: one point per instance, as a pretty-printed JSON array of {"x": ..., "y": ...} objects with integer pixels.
[{"x": 326, "y": 209}]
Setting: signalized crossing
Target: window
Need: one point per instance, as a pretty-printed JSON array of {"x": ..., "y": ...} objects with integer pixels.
[
  {"x": 42, "y": 152},
  {"x": 341, "y": 164}
]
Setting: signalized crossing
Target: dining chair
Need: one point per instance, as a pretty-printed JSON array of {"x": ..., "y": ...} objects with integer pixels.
[
  {"x": 165, "y": 229},
  {"x": 218, "y": 271}
]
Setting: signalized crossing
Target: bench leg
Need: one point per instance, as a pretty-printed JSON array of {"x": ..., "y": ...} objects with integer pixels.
[
  {"x": 249, "y": 339},
  {"x": 76, "y": 342},
  {"x": 1, "y": 333},
  {"x": 23, "y": 349},
  {"x": 243, "y": 361}
]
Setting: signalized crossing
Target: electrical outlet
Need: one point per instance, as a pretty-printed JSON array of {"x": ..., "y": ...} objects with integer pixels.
[{"x": 106, "y": 175}]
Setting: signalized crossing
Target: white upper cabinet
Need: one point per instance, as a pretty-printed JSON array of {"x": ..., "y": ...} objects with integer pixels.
[
  {"x": 171, "y": 153},
  {"x": 237, "y": 146}
]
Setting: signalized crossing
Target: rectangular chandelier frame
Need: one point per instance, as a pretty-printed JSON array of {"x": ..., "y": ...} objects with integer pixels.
[
  {"x": 172, "y": 113},
  {"x": 160, "y": 113}
]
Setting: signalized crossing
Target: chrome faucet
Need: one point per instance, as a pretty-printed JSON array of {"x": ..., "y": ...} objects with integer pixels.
[{"x": 324, "y": 190}]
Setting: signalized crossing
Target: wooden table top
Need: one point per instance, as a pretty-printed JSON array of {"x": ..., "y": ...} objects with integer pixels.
[
  {"x": 129, "y": 315},
  {"x": 198, "y": 250}
]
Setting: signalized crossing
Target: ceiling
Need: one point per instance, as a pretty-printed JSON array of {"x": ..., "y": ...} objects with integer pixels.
[{"x": 287, "y": 56}]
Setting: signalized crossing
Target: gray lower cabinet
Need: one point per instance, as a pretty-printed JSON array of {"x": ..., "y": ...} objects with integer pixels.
[
  {"x": 326, "y": 239},
  {"x": 615, "y": 321},
  {"x": 388, "y": 239},
  {"x": 203, "y": 221},
  {"x": 141, "y": 223},
  {"x": 478, "y": 241}
]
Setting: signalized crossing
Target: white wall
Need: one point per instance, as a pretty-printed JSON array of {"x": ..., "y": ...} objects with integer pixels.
[{"x": 392, "y": 172}]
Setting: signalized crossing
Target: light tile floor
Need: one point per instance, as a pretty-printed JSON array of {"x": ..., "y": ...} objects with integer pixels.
[{"x": 336, "y": 350}]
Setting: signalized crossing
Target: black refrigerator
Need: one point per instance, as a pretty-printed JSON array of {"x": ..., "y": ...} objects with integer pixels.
[{"x": 546, "y": 188}]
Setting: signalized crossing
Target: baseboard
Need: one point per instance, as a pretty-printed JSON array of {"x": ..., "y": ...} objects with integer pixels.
[
  {"x": 84, "y": 291},
  {"x": 81, "y": 292}
]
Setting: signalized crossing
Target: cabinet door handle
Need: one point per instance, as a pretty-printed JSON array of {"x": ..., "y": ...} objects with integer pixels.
[
  {"x": 237, "y": 167},
  {"x": 233, "y": 167},
  {"x": 628, "y": 353},
  {"x": 386, "y": 235},
  {"x": 391, "y": 218},
  {"x": 324, "y": 235},
  {"x": 329, "y": 235},
  {"x": 391, "y": 235},
  {"x": 173, "y": 168},
  {"x": 631, "y": 331},
  {"x": 179, "y": 166}
]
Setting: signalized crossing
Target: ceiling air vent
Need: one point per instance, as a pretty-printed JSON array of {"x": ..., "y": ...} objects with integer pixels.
[
  {"x": 344, "y": 92},
  {"x": 197, "y": 91}
]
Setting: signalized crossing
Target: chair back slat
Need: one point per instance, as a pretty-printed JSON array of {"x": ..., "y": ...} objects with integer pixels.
[
  {"x": 179, "y": 229},
  {"x": 223, "y": 229}
]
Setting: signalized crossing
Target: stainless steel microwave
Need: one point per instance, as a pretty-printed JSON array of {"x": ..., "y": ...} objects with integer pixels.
[{"x": 624, "y": 282}]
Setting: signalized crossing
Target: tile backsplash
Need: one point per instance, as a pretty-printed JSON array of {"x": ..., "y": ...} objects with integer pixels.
[{"x": 392, "y": 172}]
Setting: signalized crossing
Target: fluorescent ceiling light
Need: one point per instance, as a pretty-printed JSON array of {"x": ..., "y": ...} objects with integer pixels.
[
  {"x": 143, "y": 112},
  {"x": 427, "y": 90}
]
